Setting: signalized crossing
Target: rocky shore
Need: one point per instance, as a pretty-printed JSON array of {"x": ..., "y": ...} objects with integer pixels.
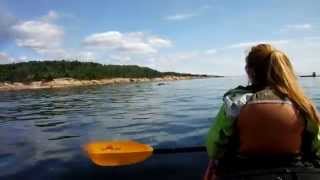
[{"x": 70, "y": 82}]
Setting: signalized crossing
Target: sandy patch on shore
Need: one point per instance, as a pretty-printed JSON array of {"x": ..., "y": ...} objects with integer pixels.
[{"x": 70, "y": 82}]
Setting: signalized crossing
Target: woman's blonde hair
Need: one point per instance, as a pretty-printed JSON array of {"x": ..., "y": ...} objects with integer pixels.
[{"x": 268, "y": 66}]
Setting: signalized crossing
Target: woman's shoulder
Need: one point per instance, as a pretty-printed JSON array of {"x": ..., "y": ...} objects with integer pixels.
[
  {"x": 261, "y": 94},
  {"x": 239, "y": 90},
  {"x": 268, "y": 94},
  {"x": 235, "y": 98}
]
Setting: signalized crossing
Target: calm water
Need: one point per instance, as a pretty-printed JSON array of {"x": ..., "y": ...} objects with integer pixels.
[{"x": 41, "y": 132}]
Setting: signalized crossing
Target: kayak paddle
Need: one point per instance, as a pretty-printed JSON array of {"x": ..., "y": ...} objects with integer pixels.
[{"x": 126, "y": 152}]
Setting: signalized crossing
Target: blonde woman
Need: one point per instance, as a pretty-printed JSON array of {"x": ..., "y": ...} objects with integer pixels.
[{"x": 268, "y": 129}]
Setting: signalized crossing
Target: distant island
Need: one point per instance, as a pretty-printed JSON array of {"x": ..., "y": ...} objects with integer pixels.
[
  {"x": 314, "y": 74},
  {"x": 55, "y": 74}
]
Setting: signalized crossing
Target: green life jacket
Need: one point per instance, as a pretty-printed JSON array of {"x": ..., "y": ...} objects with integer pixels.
[{"x": 222, "y": 136}]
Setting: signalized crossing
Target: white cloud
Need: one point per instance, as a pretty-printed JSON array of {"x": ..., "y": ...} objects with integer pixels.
[
  {"x": 106, "y": 39},
  {"x": 297, "y": 27},
  {"x": 133, "y": 42},
  {"x": 188, "y": 15},
  {"x": 252, "y": 43},
  {"x": 23, "y": 58},
  {"x": 136, "y": 47},
  {"x": 178, "y": 17},
  {"x": 40, "y": 35},
  {"x": 159, "y": 42},
  {"x": 230, "y": 60},
  {"x": 312, "y": 38},
  {"x": 5, "y": 59},
  {"x": 51, "y": 16},
  {"x": 211, "y": 51}
]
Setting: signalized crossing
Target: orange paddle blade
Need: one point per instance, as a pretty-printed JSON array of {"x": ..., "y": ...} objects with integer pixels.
[{"x": 117, "y": 153}]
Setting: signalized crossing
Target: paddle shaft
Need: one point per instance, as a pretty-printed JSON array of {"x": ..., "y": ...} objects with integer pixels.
[{"x": 180, "y": 150}]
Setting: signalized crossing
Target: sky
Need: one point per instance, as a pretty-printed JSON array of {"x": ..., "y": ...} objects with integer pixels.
[{"x": 192, "y": 36}]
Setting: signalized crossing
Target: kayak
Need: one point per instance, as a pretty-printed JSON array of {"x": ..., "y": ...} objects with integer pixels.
[{"x": 175, "y": 163}]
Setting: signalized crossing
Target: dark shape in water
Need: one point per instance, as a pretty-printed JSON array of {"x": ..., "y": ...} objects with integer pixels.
[
  {"x": 49, "y": 124},
  {"x": 160, "y": 84},
  {"x": 62, "y": 137}
]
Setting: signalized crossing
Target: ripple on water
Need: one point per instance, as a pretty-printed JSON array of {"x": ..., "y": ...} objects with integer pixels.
[
  {"x": 50, "y": 124},
  {"x": 63, "y": 137},
  {"x": 5, "y": 158},
  {"x": 43, "y": 129},
  {"x": 54, "y": 152},
  {"x": 54, "y": 127}
]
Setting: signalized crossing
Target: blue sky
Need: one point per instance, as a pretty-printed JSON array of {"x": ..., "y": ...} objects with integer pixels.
[{"x": 196, "y": 36}]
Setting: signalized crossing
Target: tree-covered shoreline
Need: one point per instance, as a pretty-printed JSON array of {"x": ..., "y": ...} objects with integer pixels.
[{"x": 49, "y": 70}]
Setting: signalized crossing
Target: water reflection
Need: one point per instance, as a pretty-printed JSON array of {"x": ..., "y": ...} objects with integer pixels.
[{"x": 45, "y": 129}]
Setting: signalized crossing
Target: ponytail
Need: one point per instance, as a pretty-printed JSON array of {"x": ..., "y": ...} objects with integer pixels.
[
  {"x": 279, "y": 75},
  {"x": 283, "y": 79}
]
